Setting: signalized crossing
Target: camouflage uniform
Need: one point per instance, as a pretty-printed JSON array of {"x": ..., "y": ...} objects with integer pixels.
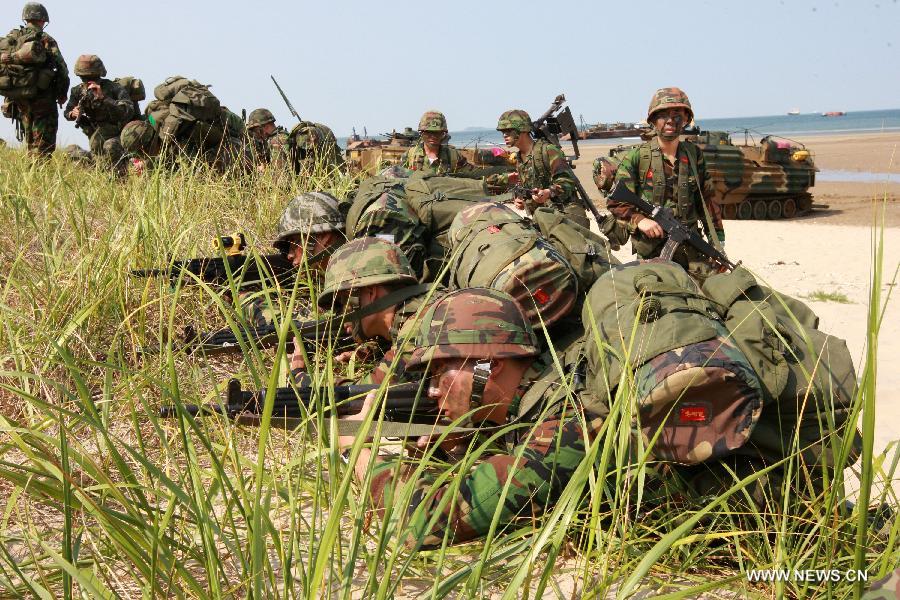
[
  {"x": 481, "y": 323},
  {"x": 887, "y": 588},
  {"x": 314, "y": 145},
  {"x": 682, "y": 185},
  {"x": 275, "y": 148},
  {"x": 544, "y": 167},
  {"x": 37, "y": 115},
  {"x": 448, "y": 161},
  {"x": 101, "y": 120}
]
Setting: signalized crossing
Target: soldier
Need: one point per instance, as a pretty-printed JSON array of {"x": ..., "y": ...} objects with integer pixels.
[
  {"x": 310, "y": 229},
  {"x": 100, "y": 107},
  {"x": 540, "y": 166},
  {"x": 270, "y": 140},
  {"x": 485, "y": 367},
  {"x": 670, "y": 173},
  {"x": 38, "y": 77},
  {"x": 140, "y": 140},
  {"x": 377, "y": 278},
  {"x": 431, "y": 155}
]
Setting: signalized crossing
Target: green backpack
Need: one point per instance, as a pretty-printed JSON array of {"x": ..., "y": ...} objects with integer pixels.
[
  {"x": 315, "y": 142},
  {"x": 29, "y": 75},
  {"x": 134, "y": 87},
  {"x": 807, "y": 376},
  {"x": 492, "y": 246},
  {"x": 187, "y": 113},
  {"x": 650, "y": 329}
]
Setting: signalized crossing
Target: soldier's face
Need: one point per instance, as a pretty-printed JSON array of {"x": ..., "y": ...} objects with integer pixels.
[
  {"x": 670, "y": 122},
  {"x": 510, "y": 136},
  {"x": 451, "y": 386},
  {"x": 300, "y": 246},
  {"x": 433, "y": 139}
]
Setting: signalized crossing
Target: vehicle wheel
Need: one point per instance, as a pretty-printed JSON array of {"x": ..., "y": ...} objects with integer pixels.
[
  {"x": 773, "y": 210},
  {"x": 745, "y": 210},
  {"x": 760, "y": 209},
  {"x": 729, "y": 211},
  {"x": 789, "y": 210},
  {"x": 805, "y": 203}
]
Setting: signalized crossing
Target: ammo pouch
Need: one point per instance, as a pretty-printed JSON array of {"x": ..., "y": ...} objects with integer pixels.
[{"x": 697, "y": 397}]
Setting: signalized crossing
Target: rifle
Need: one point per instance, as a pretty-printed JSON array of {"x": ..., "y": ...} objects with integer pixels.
[
  {"x": 82, "y": 119},
  {"x": 285, "y": 98},
  {"x": 405, "y": 403},
  {"x": 678, "y": 232},
  {"x": 549, "y": 126},
  {"x": 224, "y": 341},
  {"x": 216, "y": 269}
]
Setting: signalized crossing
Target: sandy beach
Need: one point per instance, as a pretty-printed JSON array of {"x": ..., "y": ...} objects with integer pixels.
[{"x": 831, "y": 251}]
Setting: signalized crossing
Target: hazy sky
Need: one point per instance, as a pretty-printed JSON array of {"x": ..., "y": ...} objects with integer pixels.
[{"x": 381, "y": 64}]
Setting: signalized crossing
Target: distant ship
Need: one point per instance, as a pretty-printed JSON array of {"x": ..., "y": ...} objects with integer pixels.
[
  {"x": 834, "y": 113},
  {"x": 794, "y": 111},
  {"x": 611, "y": 130}
]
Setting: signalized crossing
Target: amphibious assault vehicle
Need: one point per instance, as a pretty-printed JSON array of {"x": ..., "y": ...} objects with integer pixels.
[
  {"x": 768, "y": 180},
  {"x": 368, "y": 155}
]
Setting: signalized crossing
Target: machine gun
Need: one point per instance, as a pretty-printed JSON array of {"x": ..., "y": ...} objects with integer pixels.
[
  {"x": 678, "y": 233},
  {"x": 557, "y": 122},
  {"x": 405, "y": 403},
  {"x": 233, "y": 264},
  {"x": 225, "y": 341}
]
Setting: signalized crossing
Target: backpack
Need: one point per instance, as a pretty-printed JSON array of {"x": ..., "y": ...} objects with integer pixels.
[
  {"x": 313, "y": 141},
  {"x": 650, "y": 329},
  {"x": 30, "y": 74},
  {"x": 187, "y": 113},
  {"x": 492, "y": 246},
  {"x": 807, "y": 376},
  {"x": 134, "y": 87}
]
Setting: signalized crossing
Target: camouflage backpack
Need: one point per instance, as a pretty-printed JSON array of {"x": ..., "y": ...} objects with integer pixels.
[
  {"x": 29, "y": 74},
  {"x": 696, "y": 395},
  {"x": 492, "y": 246},
  {"x": 186, "y": 112},
  {"x": 807, "y": 377},
  {"x": 134, "y": 87},
  {"x": 310, "y": 141}
]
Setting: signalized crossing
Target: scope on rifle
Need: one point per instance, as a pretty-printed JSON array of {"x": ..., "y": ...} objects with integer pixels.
[{"x": 231, "y": 244}]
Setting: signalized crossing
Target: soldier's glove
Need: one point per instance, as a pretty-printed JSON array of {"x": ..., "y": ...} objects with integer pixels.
[{"x": 5, "y": 58}]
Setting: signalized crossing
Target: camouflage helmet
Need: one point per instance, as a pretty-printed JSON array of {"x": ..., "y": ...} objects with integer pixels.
[
  {"x": 260, "y": 117},
  {"x": 34, "y": 11},
  {"x": 89, "y": 65},
  {"x": 516, "y": 119},
  {"x": 670, "y": 97},
  {"x": 433, "y": 121},
  {"x": 364, "y": 262},
  {"x": 473, "y": 323},
  {"x": 138, "y": 137},
  {"x": 312, "y": 212}
]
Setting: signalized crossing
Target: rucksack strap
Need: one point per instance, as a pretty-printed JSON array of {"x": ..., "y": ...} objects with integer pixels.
[{"x": 711, "y": 231}]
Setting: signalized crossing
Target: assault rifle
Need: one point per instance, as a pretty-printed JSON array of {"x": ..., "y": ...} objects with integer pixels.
[
  {"x": 557, "y": 122},
  {"x": 82, "y": 119},
  {"x": 405, "y": 403},
  {"x": 678, "y": 233},
  {"x": 224, "y": 341},
  {"x": 238, "y": 266}
]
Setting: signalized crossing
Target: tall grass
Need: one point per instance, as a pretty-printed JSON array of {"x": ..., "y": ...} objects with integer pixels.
[{"x": 102, "y": 498}]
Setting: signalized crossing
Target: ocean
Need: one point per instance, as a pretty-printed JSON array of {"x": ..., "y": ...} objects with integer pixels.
[{"x": 756, "y": 127}]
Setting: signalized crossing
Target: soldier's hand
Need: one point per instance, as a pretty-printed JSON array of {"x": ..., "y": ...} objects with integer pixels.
[
  {"x": 75, "y": 113},
  {"x": 138, "y": 165},
  {"x": 650, "y": 228},
  {"x": 519, "y": 203},
  {"x": 5, "y": 57},
  {"x": 513, "y": 178},
  {"x": 96, "y": 89},
  {"x": 297, "y": 362},
  {"x": 541, "y": 196}
]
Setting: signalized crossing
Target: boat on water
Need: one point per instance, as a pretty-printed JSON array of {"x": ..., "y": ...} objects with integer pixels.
[
  {"x": 794, "y": 112},
  {"x": 603, "y": 131},
  {"x": 834, "y": 113}
]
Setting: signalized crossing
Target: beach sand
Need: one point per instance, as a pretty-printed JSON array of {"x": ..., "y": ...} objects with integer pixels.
[{"x": 829, "y": 251}]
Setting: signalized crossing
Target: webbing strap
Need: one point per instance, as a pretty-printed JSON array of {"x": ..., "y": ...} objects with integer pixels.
[{"x": 711, "y": 231}]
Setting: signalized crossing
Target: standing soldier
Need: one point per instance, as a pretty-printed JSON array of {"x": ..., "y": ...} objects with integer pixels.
[
  {"x": 100, "y": 108},
  {"x": 669, "y": 173},
  {"x": 34, "y": 76},
  {"x": 270, "y": 141},
  {"x": 540, "y": 166},
  {"x": 431, "y": 154}
]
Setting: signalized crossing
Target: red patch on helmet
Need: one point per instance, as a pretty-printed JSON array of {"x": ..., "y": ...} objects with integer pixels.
[
  {"x": 541, "y": 297},
  {"x": 693, "y": 414},
  {"x": 493, "y": 229}
]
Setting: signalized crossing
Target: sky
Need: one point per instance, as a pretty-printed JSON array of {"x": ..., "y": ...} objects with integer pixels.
[{"x": 381, "y": 64}]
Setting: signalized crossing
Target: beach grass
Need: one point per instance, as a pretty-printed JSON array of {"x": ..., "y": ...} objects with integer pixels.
[{"x": 103, "y": 498}]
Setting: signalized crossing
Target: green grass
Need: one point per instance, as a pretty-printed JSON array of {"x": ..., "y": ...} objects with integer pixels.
[
  {"x": 823, "y": 296},
  {"x": 100, "y": 497}
]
